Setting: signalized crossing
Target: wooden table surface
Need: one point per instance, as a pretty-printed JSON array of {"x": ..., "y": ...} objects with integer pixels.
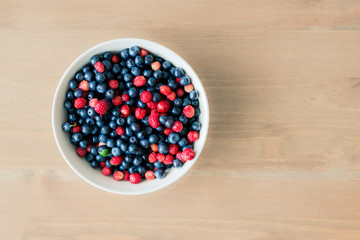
[{"x": 282, "y": 159}]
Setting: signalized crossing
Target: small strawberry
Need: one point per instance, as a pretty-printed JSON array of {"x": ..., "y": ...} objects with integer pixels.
[
  {"x": 163, "y": 106},
  {"x": 155, "y": 66},
  {"x": 81, "y": 152},
  {"x": 171, "y": 96},
  {"x": 167, "y": 131},
  {"x": 125, "y": 97},
  {"x": 152, "y": 157},
  {"x": 115, "y": 161},
  {"x": 152, "y": 105},
  {"x": 145, "y": 96},
  {"x": 154, "y": 147},
  {"x": 101, "y": 107},
  {"x": 173, "y": 149},
  {"x": 115, "y": 58},
  {"x": 160, "y": 157},
  {"x": 118, "y": 175},
  {"x": 168, "y": 159},
  {"x": 189, "y": 88},
  {"x": 140, "y": 113},
  {"x": 178, "y": 80},
  {"x": 139, "y": 81},
  {"x": 143, "y": 52},
  {"x": 164, "y": 89},
  {"x": 106, "y": 171},
  {"x": 180, "y": 92},
  {"x": 188, "y": 154},
  {"x": 125, "y": 111},
  {"x": 99, "y": 66},
  {"x": 178, "y": 126},
  {"x": 76, "y": 129},
  {"x": 154, "y": 120},
  {"x": 80, "y": 103},
  {"x": 189, "y": 111},
  {"x": 84, "y": 85},
  {"x": 120, "y": 131},
  {"x": 135, "y": 178},
  {"x": 113, "y": 84},
  {"x": 117, "y": 101},
  {"x": 102, "y": 164},
  {"x": 179, "y": 156},
  {"x": 149, "y": 175},
  {"x": 93, "y": 102},
  {"x": 126, "y": 176},
  {"x": 193, "y": 136}
]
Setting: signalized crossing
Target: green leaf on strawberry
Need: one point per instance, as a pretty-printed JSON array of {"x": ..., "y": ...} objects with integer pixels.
[{"x": 74, "y": 125}]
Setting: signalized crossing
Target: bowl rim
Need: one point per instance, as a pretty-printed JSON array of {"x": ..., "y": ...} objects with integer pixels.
[{"x": 93, "y": 51}]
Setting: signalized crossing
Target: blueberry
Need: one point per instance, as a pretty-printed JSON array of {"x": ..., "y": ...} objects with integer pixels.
[
  {"x": 124, "y": 54},
  {"x": 163, "y": 119},
  {"x": 108, "y": 164},
  {"x": 94, "y": 130},
  {"x": 166, "y": 65},
  {"x": 82, "y": 113},
  {"x": 182, "y": 142},
  {"x": 174, "y": 138},
  {"x": 141, "y": 134},
  {"x": 70, "y": 95},
  {"x": 133, "y": 92},
  {"x": 107, "y": 64},
  {"x": 91, "y": 112},
  {"x": 92, "y": 85},
  {"x": 178, "y": 72},
  {"x": 135, "y": 127},
  {"x": 186, "y": 102},
  {"x": 147, "y": 73},
  {"x": 129, "y": 84},
  {"x": 128, "y": 131},
  {"x": 121, "y": 85},
  {"x": 81, "y": 121},
  {"x": 99, "y": 123},
  {"x": 79, "y": 76},
  {"x": 124, "y": 166},
  {"x": 130, "y": 119},
  {"x": 158, "y": 74},
  {"x": 172, "y": 84},
  {"x": 109, "y": 75},
  {"x": 148, "y": 130},
  {"x": 185, "y": 80},
  {"x": 163, "y": 148},
  {"x": 83, "y": 144},
  {"x": 102, "y": 138},
  {"x": 86, "y": 130},
  {"x": 145, "y": 120},
  {"x": 128, "y": 159},
  {"x": 88, "y": 76},
  {"x": 110, "y": 143},
  {"x": 183, "y": 119},
  {"x": 120, "y": 121},
  {"x": 66, "y": 127},
  {"x": 177, "y": 102},
  {"x": 101, "y": 88},
  {"x": 151, "y": 89},
  {"x": 162, "y": 137},
  {"x": 195, "y": 103},
  {"x": 153, "y": 138},
  {"x": 76, "y": 137},
  {"x": 110, "y": 94},
  {"x": 156, "y": 97},
  {"x": 89, "y": 157},
  {"x": 116, "y": 151},
  {"x": 134, "y": 51},
  {"x": 99, "y": 158},
  {"x": 137, "y": 161},
  {"x": 93, "y": 150},
  {"x": 116, "y": 68},
  {"x": 151, "y": 81},
  {"x": 124, "y": 147},
  {"x": 94, "y": 59},
  {"x": 158, "y": 164},
  {"x": 158, "y": 86},
  {"x": 144, "y": 143},
  {"x": 124, "y": 71},
  {"x": 141, "y": 169},
  {"x": 100, "y": 77},
  {"x": 139, "y": 61},
  {"x": 176, "y": 111},
  {"x": 78, "y": 93},
  {"x": 159, "y": 173},
  {"x": 197, "y": 112},
  {"x": 67, "y": 105},
  {"x": 132, "y": 148},
  {"x": 136, "y": 71},
  {"x": 193, "y": 95},
  {"x": 130, "y": 63},
  {"x": 177, "y": 163},
  {"x": 108, "y": 55},
  {"x": 128, "y": 77},
  {"x": 94, "y": 139},
  {"x": 195, "y": 126},
  {"x": 132, "y": 169},
  {"x": 141, "y": 104},
  {"x": 149, "y": 166},
  {"x": 160, "y": 128},
  {"x": 86, "y": 68},
  {"x": 105, "y": 130},
  {"x": 169, "y": 123},
  {"x": 94, "y": 164},
  {"x": 148, "y": 59}
]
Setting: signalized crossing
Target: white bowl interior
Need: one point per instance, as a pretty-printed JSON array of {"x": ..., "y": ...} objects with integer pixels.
[{"x": 81, "y": 166}]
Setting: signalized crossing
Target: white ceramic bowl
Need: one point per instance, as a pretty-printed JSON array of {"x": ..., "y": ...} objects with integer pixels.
[{"x": 81, "y": 166}]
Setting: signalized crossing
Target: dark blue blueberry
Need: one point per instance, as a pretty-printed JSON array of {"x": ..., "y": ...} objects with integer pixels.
[
  {"x": 156, "y": 97},
  {"x": 183, "y": 132},
  {"x": 141, "y": 104},
  {"x": 158, "y": 86},
  {"x": 137, "y": 161},
  {"x": 94, "y": 139},
  {"x": 148, "y": 130},
  {"x": 99, "y": 123},
  {"x": 133, "y": 92},
  {"x": 174, "y": 138},
  {"x": 124, "y": 71},
  {"x": 144, "y": 143},
  {"x": 140, "y": 152},
  {"x": 107, "y": 64},
  {"x": 107, "y": 115},
  {"x": 94, "y": 130},
  {"x": 110, "y": 143},
  {"x": 110, "y": 94},
  {"x": 141, "y": 169},
  {"x": 183, "y": 119},
  {"x": 135, "y": 127},
  {"x": 186, "y": 146},
  {"x": 178, "y": 72},
  {"x": 136, "y": 71},
  {"x": 177, "y": 163},
  {"x": 128, "y": 132},
  {"x": 109, "y": 75},
  {"x": 169, "y": 123},
  {"x": 186, "y": 102},
  {"x": 151, "y": 89},
  {"x": 86, "y": 130},
  {"x": 130, "y": 119},
  {"x": 81, "y": 121},
  {"x": 182, "y": 142},
  {"x": 141, "y": 134},
  {"x": 121, "y": 86},
  {"x": 177, "y": 102},
  {"x": 129, "y": 84},
  {"x": 197, "y": 112},
  {"x": 133, "y": 139},
  {"x": 128, "y": 77},
  {"x": 134, "y": 51},
  {"x": 100, "y": 77},
  {"x": 128, "y": 159},
  {"x": 162, "y": 137},
  {"x": 158, "y": 74},
  {"x": 166, "y": 75},
  {"x": 72, "y": 117},
  {"x": 116, "y": 151},
  {"x": 172, "y": 84},
  {"x": 195, "y": 103},
  {"x": 120, "y": 121},
  {"x": 93, "y": 150},
  {"x": 70, "y": 95},
  {"x": 82, "y": 113},
  {"x": 118, "y": 142},
  {"x": 147, "y": 73},
  {"x": 83, "y": 144},
  {"x": 91, "y": 112},
  {"x": 108, "y": 55},
  {"x": 92, "y": 85},
  {"x": 133, "y": 169},
  {"x": 152, "y": 81},
  {"x": 149, "y": 166},
  {"x": 163, "y": 148},
  {"x": 88, "y": 76},
  {"x": 153, "y": 138},
  {"x": 176, "y": 111},
  {"x": 66, "y": 127},
  {"x": 105, "y": 129},
  {"x": 166, "y": 65},
  {"x": 148, "y": 59},
  {"x": 159, "y": 173},
  {"x": 124, "y": 137},
  {"x": 160, "y": 128},
  {"x": 79, "y": 76},
  {"x": 86, "y": 68},
  {"x": 78, "y": 93},
  {"x": 195, "y": 126},
  {"x": 116, "y": 68},
  {"x": 108, "y": 164},
  {"x": 89, "y": 157},
  {"x": 94, "y": 59},
  {"x": 193, "y": 95},
  {"x": 139, "y": 61},
  {"x": 130, "y": 63},
  {"x": 185, "y": 80},
  {"x": 132, "y": 148},
  {"x": 94, "y": 164},
  {"x": 112, "y": 124},
  {"x": 158, "y": 164},
  {"x": 67, "y": 105},
  {"x": 102, "y": 138},
  {"x": 76, "y": 137},
  {"x": 124, "y": 54},
  {"x": 124, "y": 147},
  {"x": 101, "y": 88},
  {"x": 145, "y": 120},
  {"x": 124, "y": 166},
  {"x": 163, "y": 119},
  {"x": 99, "y": 158},
  {"x": 116, "y": 111}
]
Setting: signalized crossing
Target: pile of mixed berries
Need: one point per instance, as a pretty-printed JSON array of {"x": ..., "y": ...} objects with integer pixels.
[{"x": 132, "y": 114}]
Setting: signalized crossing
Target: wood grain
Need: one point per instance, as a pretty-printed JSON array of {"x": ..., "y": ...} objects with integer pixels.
[{"x": 282, "y": 160}]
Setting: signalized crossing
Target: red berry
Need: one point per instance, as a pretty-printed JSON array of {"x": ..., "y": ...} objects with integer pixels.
[
  {"x": 140, "y": 113},
  {"x": 193, "y": 136},
  {"x": 189, "y": 88},
  {"x": 81, "y": 152},
  {"x": 93, "y": 102},
  {"x": 99, "y": 66},
  {"x": 115, "y": 160},
  {"x": 115, "y": 58},
  {"x": 155, "y": 66},
  {"x": 173, "y": 149},
  {"x": 154, "y": 119},
  {"x": 143, "y": 52},
  {"x": 152, "y": 157},
  {"x": 154, "y": 147},
  {"x": 125, "y": 97},
  {"x": 180, "y": 92},
  {"x": 84, "y": 85},
  {"x": 106, "y": 171},
  {"x": 178, "y": 80},
  {"x": 160, "y": 157},
  {"x": 145, "y": 96},
  {"x": 101, "y": 107},
  {"x": 152, "y": 105},
  {"x": 120, "y": 131},
  {"x": 113, "y": 84},
  {"x": 103, "y": 164},
  {"x": 118, "y": 175},
  {"x": 117, "y": 101},
  {"x": 168, "y": 159},
  {"x": 135, "y": 178},
  {"x": 189, "y": 111},
  {"x": 188, "y": 154},
  {"x": 163, "y": 106},
  {"x": 149, "y": 175},
  {"x": 76, "y": 129},
  {"x": 125, "y": 110},
  {"x": 126, "y": 176},
  {"x": 80, "y": 103},
  {"x": 178, "y": 126},
  {"x": 164, "y": 89},
  {"x": 139, "y": 81},
  {"x": 167, "y": 131},
  {"x": 171, "y": 96}
]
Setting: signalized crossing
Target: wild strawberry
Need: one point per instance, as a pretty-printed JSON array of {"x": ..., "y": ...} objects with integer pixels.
[
  {"x": 135, "y": 178},
  {"x": 167, "y": 131},
  {"x": 145, "y": 96},
  {"x": 106, "y": 171},
  {"x": 178, "y": 126},
  {"x": 152, "y": 105},
  {"x": 114, "y": 84},
  {"x": 188, "y": 154},
  {"x": 80, "y": 103},
  {"x": 189, "y": 111},
  {"x": 125, "y": 110},
  {"x": 117, "y": 101},
  {"x": 115, "y": 161},
  {"x": 180, "y": 92},
  {"x": 126, "y": 176},
  {"x": 99, "y": 66},
  {"x": 139, "y": 81},
  {"x": 76, "y": 129},
  {"x": 102, "y": 164},
  {"x": 154, "y": 147},
  {"x": 168, "y": 159},
  {"x": 93, "y": 102},
  {"x": 125, "y": 97},
  {"x": 152, "y": 157},
  {"x": 178, "y": 80},
  {"x": 140, "y": 113},
  {"x": 81, "y": 152},
  {"x": 154, "y": 119},
  {"x": 163, "y": 106},
  {"x": 120, "y": 131},
  {"x": 173, "y": 149},
  {"x": 101, "y": 107},
  {"x": 160, "y": 157},
  {"x": 118, "y": 175},
  {"x": 149, "y": 175},
  {"x": 115, "y": 58},
  {"x": 155, "y": 66},
  {"x": 193, "y": 136},
  {"x": 143, "y": 52},
  {"x": 164, "y": 89},
  {"x": 171, "y": 96},
  {"x": 84, "y": 85},
  {"x": 189, "y": 88}
]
